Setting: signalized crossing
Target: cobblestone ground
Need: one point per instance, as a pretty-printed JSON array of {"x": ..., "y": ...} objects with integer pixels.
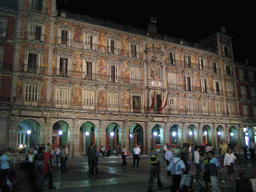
[{"x": 113, "y": 177}]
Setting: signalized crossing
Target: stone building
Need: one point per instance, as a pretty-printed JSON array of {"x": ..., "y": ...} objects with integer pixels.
[
  {"x": 78, "y": 80},
  {"x": 246, "y": 93}
]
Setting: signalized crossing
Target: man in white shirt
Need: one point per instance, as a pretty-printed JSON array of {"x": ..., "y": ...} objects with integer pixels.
[
  {"x": 197, "y": 162},
  {"x": 57, "y": 153},
  {"x": 168, "y": 158},
  {"x": 136, "y": 152}
]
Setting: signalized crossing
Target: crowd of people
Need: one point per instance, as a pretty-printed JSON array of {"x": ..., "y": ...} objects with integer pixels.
[
  {"x": 40, "y": 160},
  {"x": 36, "y": 168}
]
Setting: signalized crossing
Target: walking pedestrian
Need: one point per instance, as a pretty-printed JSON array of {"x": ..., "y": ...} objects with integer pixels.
[
  {"x": 103, "y": 150},
  {"x": 93, "y": 161},
  {"x": 47, "y": 167},
  {"x": 57, "y": 154},
  {"x": 197, "y": 162},
  {"x": 154, "y": 170},
  {"x": 124, "y": 154},
  {"x": 214, "y": 171},
  {"x": 168, "y": 158},
  {"x": 4, "y": 171},
  {"x": 176, "y": 167},
  {"x": 229, "y": 161},
  {"x": 63, "y": 159},
  {"x": 136, "y": 152}
]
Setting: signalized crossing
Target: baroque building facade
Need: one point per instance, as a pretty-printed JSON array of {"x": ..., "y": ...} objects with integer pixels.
[{"x": 78, "y": 80}]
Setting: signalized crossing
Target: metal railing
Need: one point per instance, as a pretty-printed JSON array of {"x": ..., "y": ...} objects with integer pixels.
[
  {"x": 97, "y": 47},
  {"x": 34, "y": 36},
  {"x": 105, "y": 107},
  {"x": 35, "y": 70}
]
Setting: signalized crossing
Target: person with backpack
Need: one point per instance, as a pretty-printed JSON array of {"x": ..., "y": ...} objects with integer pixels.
[
  {"x": 154, "y": 170},
  {"x": 176, "y": 167}
]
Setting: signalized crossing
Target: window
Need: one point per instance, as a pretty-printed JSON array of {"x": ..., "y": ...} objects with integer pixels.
[
  {"x": 136, "y": 104},
  {"x": 88, "y": 99},
  {"x": 245, "y": 111},
  {"x": 187, "y": 61},
  {"x": 226, "y": 51},
  {"x": 173, "y": 105},
  {"x": 135, "y": 74},
  {"x": 171, "y": 58},
  {"x": 65, "y": 35},
  {"x": 228, "y": 71},
  {"x": 241, "y": 74},
  {"x": 243, "y": 92},
  {"x": 253, "y": 93},
  {"x": 134, "y": 51},
  {"x": 218, "y": 107},
  {"x": 188, "y": 86},
  {"x": 251, "y": 76},
  {"x": 31, "y": 95},
  {"x": 88, "y": 68},
  {"x": 217, "y": 88},
  {"x": 113, "y": 45},
  {"x": 190, "y": 106},
  {"x": 3, "y": 27},
  {"x": 32, "y": 63},
  {"x": 63, "y": 64},
  {"x": 201, "y": 64},
  {"x": 205, "y": 107},
  {"x": 203, "y": 85},
  {"x": 113, "y": 73},
  {"x": 231, "y": 109},
  {"x": 230, "y": 89},
  {"x": 214, "y": 67},
  {"x": 113, "y": 101},
  {"x": 172, "y": 82},
  {"x": 36, "y": 32},
  {"x": 62, "y": 97},
  {"x": 37, "y": 6},
  {"x": 63, "y": 67}
]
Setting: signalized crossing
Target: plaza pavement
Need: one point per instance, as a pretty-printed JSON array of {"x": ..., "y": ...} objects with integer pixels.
[{"x": 113, "y": 177}]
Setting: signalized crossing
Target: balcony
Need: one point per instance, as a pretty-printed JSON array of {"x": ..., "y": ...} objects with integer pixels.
[
  {"x": 104, "y": 107},
  {"x": 34, "y": 36},
  {"x": 97, "y": 47},
  {"x": 35, "y": 70}
]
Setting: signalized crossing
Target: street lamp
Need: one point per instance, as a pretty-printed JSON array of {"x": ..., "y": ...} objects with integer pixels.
[
  {"x": 60, "y": 132},
  {"x": 232, "y": 134},
  {"x": 87, "y": 133},
  {"x": 155, "y": 134},
  {"x": 205, "y": 133},
  {"x": 219, "y": 133},
  {"x": 174, "y": 134},
  {"x": 28, "y": 132},
  {"x": 112, "y": 134},
  {"x": 190, "y": 133}
]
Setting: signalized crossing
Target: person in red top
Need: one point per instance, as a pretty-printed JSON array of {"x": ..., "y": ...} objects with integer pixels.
[{"x": 47, "y": 167}]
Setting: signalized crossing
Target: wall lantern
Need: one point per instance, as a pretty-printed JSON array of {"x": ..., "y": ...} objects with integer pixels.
[
  {"x": 190, "y": 133},
  {"x": 219, "y": 133},
  {"x": 87, "y": 133},
  {"x": 232, "y": 134},
  {"x": 155, "y": 134},
  {"x": 174, "y": 134}
]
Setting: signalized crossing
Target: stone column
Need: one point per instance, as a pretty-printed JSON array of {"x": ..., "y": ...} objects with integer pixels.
[
  {"x": 74, "y": 138},
  {"x": 199, "y": 135},
  {"x": 214, "y": 136},
  {"x": 148, "y": 138}
]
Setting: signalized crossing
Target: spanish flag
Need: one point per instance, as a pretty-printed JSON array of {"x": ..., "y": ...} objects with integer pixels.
[{"x": 166, "y": 101}]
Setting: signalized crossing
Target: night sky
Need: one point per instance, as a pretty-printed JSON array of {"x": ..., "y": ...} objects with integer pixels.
[{"x": 187, "y": 20}]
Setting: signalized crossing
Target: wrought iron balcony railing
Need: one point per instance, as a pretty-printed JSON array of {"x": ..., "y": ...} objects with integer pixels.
[{"x": 105, "y": 107}]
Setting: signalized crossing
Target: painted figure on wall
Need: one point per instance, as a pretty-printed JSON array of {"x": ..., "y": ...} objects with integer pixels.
[{"x": 155, "y": 67}]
